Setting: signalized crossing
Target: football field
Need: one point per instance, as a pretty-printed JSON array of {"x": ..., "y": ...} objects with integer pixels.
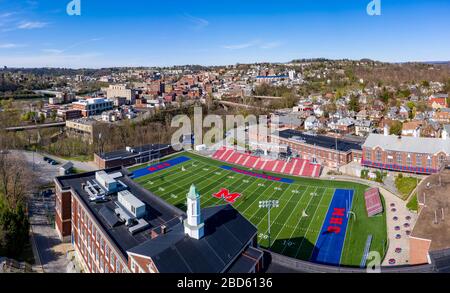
[{"x": 296, "y": 225}]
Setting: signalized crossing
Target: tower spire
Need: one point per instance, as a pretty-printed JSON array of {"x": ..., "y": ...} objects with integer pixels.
[{"x": 193, "y": 224}]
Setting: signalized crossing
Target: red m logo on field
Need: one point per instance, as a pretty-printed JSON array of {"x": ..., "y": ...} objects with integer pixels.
[{"x": 229, "y": 197}]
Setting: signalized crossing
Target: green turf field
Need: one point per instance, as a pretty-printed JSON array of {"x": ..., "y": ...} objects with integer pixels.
[{"x": 291, "y": 234}]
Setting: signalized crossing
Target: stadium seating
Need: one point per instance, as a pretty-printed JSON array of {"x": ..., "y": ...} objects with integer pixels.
[{"x": 296, "y": 167}]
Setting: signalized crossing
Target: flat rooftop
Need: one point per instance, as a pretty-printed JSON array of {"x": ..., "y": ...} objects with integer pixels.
[
  {"x": 437, "y": 203},
  {"x": 327, "y": 142},
  {"x": 123, "y": 153},
  {"x": 157, "y": 211}
]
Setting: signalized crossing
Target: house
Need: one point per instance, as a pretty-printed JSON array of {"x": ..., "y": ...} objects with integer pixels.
[
  {"x": 412, "y": 128},
  {"x": 442, "y": 115},
  {"x": 344, "y": 125},
  {"x": 363, "y": 127},
  {"x": 403, "y": 112},
  {"x": 312, "y": 123},
  {"x": 438, "y": 101},
  {"x": 362, "y": 115}
]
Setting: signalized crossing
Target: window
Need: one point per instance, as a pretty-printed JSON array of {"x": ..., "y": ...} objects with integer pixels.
[
  {"x": 390, "y": 158},
  {"x": 379, "y": 154},
  {"x": 419, "y": 160},
  {"x": 408, "y": 160},
  {"x": 133, "y": 266},
  {"x": 117, "y": 265},
  {"x": 441, "y": 160},
  {"x": 429, "y": 162},
  {"x": 399, "y": 159},
  {"x": 112, "y": 260},
  {"x": 368, "y": 154}
]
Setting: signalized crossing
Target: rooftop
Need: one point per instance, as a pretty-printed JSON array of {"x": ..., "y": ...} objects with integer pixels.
[
  {"x": 227, "y": 233},
  {"x": 343, "y": 145},
  {"x": 421, "y": 145},
  {"x": 157, "y": 211}
]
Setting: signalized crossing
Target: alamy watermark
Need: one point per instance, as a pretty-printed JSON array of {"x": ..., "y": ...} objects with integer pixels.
[
  {"x": 74, "y": 8},
  {"x": 374, "y": 8},
  {"x": 237, "y": 130}
]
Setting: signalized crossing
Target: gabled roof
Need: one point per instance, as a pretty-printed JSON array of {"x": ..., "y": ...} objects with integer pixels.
[{"x": 421, "y": 145}]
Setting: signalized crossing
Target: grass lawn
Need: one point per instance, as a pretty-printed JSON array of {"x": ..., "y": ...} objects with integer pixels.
[
  {"x": 413, "y": 204},
  {"x": 291, "y": 234},
  {"x": 405, "y": 185}
]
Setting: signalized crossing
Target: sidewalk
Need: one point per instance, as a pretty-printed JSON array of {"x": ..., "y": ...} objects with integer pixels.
[{"x": 51, "y": 252}]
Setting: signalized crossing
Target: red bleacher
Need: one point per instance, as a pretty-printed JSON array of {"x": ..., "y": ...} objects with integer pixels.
[
  {"x": 373, "y": 202},
  {"x": 297, "y": 167}
]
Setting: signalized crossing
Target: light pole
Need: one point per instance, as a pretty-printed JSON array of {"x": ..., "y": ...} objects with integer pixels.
[{"x": 268, "y": 204}]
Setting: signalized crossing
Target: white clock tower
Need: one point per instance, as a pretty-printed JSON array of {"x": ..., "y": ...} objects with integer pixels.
[{"x": 193, "y": 224}]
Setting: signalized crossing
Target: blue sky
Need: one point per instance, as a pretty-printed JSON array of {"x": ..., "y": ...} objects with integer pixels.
[{"x": 171, "y": 32}]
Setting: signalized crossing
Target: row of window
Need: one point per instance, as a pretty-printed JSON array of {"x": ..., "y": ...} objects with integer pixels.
[
  {"x": 92, "y": 245},
  {"x": 397, "y": 158}
]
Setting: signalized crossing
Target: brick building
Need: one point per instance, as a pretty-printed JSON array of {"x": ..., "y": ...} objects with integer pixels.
[
  {"x": 132, "y": 155},
  {"x": 117, "y": 226},
  {"x": 422, "y": 155},
  {"x": 327, "y": 151}
]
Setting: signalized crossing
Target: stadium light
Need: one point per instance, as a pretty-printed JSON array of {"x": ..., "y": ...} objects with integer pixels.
[{"x": 268, "y": 204}]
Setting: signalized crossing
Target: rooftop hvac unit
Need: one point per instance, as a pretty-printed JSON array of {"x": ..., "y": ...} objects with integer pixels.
[{"x": 131, "y": 203}]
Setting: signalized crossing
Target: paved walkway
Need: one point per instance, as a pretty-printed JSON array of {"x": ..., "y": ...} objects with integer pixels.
[
  {"x": 51, "y": 252},
  {"x": 395, "y": 207}
]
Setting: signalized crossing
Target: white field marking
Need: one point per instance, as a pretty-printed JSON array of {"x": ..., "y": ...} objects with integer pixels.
[
  {"x": 299, "y": 221},
  {"x": 217, "y": 173},
  {"x": 207, "y": 179},
  {"x": 324, "y": 218},
  {"x": 207, "y": 175},
  {"x": 161, "y": 189},
  {"x": 169, "y": 175},
  {"x": 205, "y": 169},
  {"x": 278, "y": 214},
  {"x": 231, "y": 183},
  {"x": 242, "y": 193},
  {"x": 257, "y": 198},
  {"x": 278, "y": 188},
  {"x": 245, "y": 181},
  {"x": 346, "y": 231},
  {"x": 261, "y": 185},
  {"x": 173, "y": 196},
  {"x": 290, "y": 215},
  {"x": 309, "y": 225}
]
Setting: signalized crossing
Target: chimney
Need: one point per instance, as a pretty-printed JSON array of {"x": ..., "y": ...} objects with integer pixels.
[
  {"x": 163, "y": 229},
  {"x": 386, "y": 130}
]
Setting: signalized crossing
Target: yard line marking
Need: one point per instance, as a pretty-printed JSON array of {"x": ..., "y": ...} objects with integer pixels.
[
  {"x": 292, "y": 233},
  {"x": 309, "y": 225},
  {"x": 281, "y": 212},
  {"x": 293, "y": 210}
]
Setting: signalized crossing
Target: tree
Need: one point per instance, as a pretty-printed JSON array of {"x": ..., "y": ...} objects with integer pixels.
[
  {"x": 353, "y": 105},
  {"x": 396, "y": 128}
]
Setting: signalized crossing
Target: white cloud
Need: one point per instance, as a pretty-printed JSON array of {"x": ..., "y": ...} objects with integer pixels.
[
  {"x": 241, "y": 46},
  {"x": 32, "y": 25},
  {"x": 198, "y": 23},
  {"x": 10, "y": 46}
]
